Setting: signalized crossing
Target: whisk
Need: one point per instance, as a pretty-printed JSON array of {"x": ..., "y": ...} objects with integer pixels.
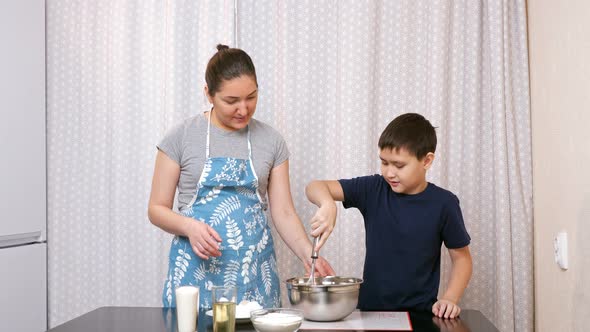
[{"x": 314, "y": 256}]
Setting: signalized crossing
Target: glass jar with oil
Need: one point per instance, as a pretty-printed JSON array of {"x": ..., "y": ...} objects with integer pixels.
[{"x": 224, "y": 308}]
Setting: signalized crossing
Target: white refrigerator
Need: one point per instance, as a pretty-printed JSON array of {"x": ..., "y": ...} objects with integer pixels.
[{"x": 23, "y": 246}]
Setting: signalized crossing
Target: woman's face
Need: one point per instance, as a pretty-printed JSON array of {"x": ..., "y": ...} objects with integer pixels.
[{"x": 235, "y": 103}]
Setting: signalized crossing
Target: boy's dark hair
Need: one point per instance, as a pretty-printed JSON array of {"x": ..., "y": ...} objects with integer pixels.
[
  {"x": 226, "y": 64},
  {"x": 410, "y": 131}
]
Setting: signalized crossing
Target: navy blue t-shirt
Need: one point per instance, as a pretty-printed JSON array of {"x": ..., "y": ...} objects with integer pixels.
[{"x": 404, "y": 234}]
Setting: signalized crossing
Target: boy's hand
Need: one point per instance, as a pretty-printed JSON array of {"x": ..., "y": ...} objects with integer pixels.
[
  {"x": 322, "y": 223},
  {"x": 450, "y": 325},
  {"x": 445, "y": 309}
]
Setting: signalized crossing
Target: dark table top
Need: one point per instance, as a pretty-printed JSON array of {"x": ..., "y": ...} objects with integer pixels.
[{"x": 115, "y": 319}]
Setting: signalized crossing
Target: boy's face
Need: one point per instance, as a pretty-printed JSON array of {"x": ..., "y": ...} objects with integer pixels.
[{"x": 403, "y": 171}]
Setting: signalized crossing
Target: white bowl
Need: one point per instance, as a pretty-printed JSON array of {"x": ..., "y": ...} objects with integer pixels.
[{"x": 276, "y": 319}]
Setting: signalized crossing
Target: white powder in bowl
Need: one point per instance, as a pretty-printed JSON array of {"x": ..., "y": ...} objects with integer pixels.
[
  {"x": 277, "y": 322},
  {"x": 244, "y": 308}
]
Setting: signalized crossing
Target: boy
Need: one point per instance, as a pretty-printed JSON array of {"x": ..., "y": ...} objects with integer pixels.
[{"x": 406, "y": 221}]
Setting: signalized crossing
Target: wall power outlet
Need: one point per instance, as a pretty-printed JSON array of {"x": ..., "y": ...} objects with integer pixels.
[{"x": 560, "y": 246}]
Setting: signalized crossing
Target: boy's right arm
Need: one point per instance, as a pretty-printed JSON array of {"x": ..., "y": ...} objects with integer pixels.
[{"x": 324, "y": 194}]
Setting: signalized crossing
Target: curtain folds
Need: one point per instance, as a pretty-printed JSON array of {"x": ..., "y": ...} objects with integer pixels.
[{"x": 119, "y": 74}]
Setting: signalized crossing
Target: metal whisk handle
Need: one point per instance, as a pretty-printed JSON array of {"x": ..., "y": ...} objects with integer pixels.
[{"x": 314, "y": 253}]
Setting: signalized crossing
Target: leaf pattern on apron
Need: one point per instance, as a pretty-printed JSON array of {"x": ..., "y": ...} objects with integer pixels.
[{"x": 224, "y": 209}]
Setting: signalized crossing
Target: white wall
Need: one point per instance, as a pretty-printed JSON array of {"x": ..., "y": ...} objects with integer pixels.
[
  {"x": 23, "y": 276},
  {"x": 559, "y": 41}
]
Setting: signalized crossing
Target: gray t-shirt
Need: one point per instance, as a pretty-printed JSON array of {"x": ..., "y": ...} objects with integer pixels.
[{"x": 185, "y": 143}]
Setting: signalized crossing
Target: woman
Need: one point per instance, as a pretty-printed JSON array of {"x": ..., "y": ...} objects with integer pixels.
[{"x": 223, "y": 163}]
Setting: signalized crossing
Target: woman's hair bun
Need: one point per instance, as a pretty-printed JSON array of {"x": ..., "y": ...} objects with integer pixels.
[{"x": 221, "y": 47}]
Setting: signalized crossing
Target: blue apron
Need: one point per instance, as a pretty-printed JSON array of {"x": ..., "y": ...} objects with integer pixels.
[{"x": 228, "y": 200}]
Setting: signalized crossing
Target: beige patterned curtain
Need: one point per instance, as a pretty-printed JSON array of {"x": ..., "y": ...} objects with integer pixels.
[
  {"x": 120, "y": 73},
  {"x": 332, "y": 74}
]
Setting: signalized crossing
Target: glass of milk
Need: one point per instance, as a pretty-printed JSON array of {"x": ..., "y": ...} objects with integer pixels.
[
  {"x": 187, "y": 308},
  {"x": 224, "y": 308}
]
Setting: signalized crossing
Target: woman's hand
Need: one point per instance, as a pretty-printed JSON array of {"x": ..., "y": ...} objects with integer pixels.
[
  {"x": 322, "y": 268},
  {"x": 323, "y": 222},
  {"x": 204, "y": 239}
]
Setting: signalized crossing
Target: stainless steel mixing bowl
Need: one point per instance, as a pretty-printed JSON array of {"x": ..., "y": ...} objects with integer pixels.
[{"x": 328, "y": 299}]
